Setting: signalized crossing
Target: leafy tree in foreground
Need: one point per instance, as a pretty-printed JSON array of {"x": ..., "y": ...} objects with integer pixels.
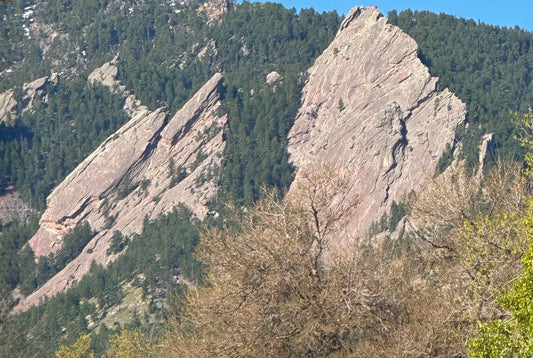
[
  {"x": 129, "y": 344},
  {"x": 512, "y": 336},
  {"x": 485, "y": 225},
  {"x": 79, "y": 349}
]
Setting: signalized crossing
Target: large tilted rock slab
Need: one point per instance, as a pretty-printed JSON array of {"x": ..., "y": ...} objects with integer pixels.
[
  {"x": 132, "y": 175},
  {"x": 371, "y": 107}
]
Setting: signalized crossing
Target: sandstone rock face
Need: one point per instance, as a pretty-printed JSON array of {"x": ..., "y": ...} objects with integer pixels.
[
  {"x": 370, "y": 106},
  {"x": 214, "y": 9},
  {"x": 146, "y": 168}
]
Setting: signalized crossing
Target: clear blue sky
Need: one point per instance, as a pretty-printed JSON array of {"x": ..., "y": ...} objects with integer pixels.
[{"x": 495, "y": 12}]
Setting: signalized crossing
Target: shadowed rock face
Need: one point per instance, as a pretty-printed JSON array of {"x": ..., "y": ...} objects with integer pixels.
[
  {"x": 371, "y": 107},
  {"x": 146, "y": 168}
]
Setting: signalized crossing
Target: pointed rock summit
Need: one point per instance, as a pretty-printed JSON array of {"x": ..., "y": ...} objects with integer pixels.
[{"x": 371, "y": 107}]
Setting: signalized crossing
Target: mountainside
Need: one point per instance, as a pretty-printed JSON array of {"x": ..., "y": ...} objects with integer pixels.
[
  {"x": 386, "y": 107},
  {"x": 487, "y": 67},
  {"x": 370, "y": 106},
  {"x": 132, "y": 131}
]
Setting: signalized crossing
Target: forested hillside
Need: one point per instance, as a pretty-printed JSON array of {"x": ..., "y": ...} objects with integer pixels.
[
  {"x": 149, "y": 270},
  {"x": 158, "y": 46},
  {"x": 157, "y": 298}
]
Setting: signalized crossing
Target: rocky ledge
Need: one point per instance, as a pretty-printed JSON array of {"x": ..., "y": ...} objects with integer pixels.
[{"x": 32, "y": 92}]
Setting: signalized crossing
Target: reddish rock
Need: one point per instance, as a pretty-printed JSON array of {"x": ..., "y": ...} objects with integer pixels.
[
  {"x": 370, "y": 106},
  {"x": 130, "y": 177}
]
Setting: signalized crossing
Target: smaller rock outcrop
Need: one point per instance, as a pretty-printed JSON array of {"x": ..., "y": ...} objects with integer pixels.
[
  {"x": 273, "y": 77},
  {"x": 107, "y": 76},
  {"x": 31, "y": 93},
  {"x": 209, "y": 48},
  {"x": 7, "y": 107},
  {"x": 214, "y": 9},
  {"x": 35, "y": 91},
  {"x": 146, "y": 168},
  {"x": 483, "y": 152}
]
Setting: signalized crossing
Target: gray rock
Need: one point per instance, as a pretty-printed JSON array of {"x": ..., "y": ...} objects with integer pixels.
[
  {"x": 7, "y": 107},
  {"x": 13, "y": 208},
  {"x": 32, "y": 92},
  {"x": 105, "y": 75},
  {"x": 273, "y": 77}
]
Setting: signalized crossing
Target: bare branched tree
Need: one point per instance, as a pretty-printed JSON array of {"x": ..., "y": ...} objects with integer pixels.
[{"x": 270, "y": 293}]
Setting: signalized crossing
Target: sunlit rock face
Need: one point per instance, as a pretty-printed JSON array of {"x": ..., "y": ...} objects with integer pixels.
[
  {"x": 146, "y": 168},
  {"x": 371, "y": 107}
]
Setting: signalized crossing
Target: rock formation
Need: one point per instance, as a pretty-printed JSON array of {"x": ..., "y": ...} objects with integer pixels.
[
  {"x": 273, "y": 77},
  {"x": 214, "y": 9},
  {"x": 7, "y": 106},
  {"x": 370, "y": 106},
  {"x": 32, "y": 92},
  {"x": 12, "y": 208},
  {"x": 146, "y": 168},
  {"x": 107, "y": 76}
]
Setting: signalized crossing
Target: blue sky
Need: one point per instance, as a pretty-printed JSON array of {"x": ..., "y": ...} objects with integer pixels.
[{"x": 495, "y": 12}]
